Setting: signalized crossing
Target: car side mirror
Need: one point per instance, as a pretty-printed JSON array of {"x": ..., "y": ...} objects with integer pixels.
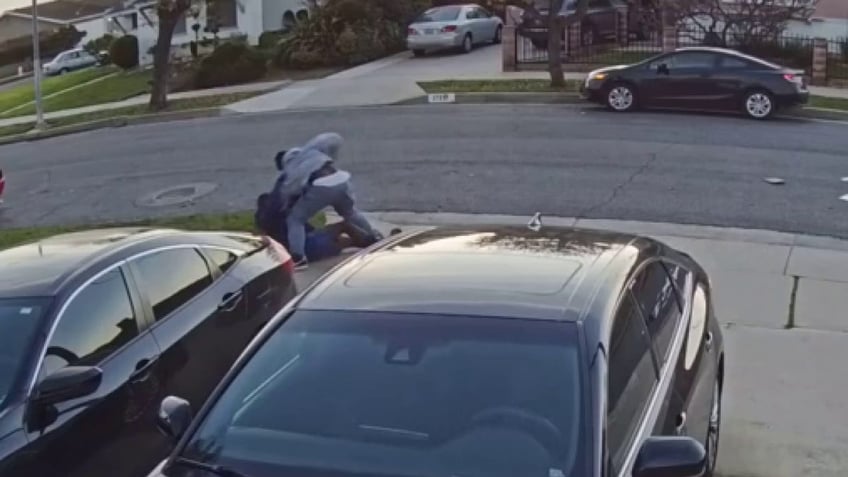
[
  {"x": 174, "y": 417},
  {"x": 68, "y": 383},
  {"x": 670, "y": 457}
]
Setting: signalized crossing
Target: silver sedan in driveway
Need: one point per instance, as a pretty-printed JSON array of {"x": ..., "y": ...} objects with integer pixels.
[{"x": 453, "y": 26}]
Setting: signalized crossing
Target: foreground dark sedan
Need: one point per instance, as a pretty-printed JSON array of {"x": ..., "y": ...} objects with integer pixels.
[
  {"x": 97, "y": 327},
  {"x": 475, "y": 352},
  {"x": 701, "y": 79}
]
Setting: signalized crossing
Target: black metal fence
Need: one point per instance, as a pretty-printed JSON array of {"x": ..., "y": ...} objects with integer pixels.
[
  {"x": 787, "y": 50},
  {"x": 837, "y": 59}
]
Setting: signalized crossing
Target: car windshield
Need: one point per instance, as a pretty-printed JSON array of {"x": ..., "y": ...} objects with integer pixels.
[
  {"x": 441, "y": 14},
  {"x": 18, "y": 321},
  {"x": 378, "y": 394}
]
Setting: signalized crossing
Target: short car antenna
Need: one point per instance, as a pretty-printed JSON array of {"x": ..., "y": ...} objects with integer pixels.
[{"x": 535, "y": 223}]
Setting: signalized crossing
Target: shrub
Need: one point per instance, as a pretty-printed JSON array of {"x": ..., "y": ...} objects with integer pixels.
[
  {"x": 795, "y": 53},
  {"x": 349, "y": 32},
  {"x": 124, "y": 52},
  {"x": 18, "y": 50},
  {"x": 230, "y": 63},
  {"x": 104, "y": 43},
  {"x": 270, "y": 39}
]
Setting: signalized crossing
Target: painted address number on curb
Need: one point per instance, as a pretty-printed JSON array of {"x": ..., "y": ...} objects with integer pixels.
[{"x": 442, "y": 98}]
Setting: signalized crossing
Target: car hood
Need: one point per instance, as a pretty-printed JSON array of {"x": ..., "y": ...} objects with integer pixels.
[{"x": 607, "y": 69}]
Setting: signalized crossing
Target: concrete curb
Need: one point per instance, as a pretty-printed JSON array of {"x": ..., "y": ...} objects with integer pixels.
[
  {"x": 12, "y": 79},
  {"x": 115, "y": 122},
  {"x": 574, "y": 98},
  {"x": 706, "y": 232}
]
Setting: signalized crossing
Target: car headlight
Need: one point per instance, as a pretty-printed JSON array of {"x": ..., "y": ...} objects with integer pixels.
[{"x": 599, "y": 76}]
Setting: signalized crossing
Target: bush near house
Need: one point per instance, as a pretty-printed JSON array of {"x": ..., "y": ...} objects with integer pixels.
[
  {"x": 794, "y": 53},
  {"x": 349, "y": 32},
  {"x": 124, "y": 52},
  {"x": 19, "y": 50},
  {"x": 231, "y": 63}
]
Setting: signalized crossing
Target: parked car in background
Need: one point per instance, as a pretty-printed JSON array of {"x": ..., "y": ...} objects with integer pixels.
[
  {"x": 97, "y": 327},
  {"x": 485, "y": 351},
  {"x": 453, "y": 26},
  {"x": 600, "y": 24},
  {"x": 700, "y": 78},
  {"x": 70, "y": 60}
]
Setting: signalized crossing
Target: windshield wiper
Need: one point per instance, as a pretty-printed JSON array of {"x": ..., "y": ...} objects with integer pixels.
[{"x": 211, "y": 468}]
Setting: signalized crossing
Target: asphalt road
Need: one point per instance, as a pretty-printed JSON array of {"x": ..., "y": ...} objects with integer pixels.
[{"x": 559, "y": 160}]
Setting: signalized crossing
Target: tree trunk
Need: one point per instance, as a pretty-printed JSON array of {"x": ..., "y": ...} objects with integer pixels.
[
  {"x": 162, "y": 59},
  {"x": 555, "y": 28}
]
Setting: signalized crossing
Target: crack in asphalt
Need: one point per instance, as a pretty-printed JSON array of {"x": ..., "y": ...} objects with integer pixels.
[{"x": 618, "y": 187}]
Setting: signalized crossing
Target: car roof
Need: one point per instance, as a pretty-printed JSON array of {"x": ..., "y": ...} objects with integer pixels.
[
  {"x": 493, "y": 271},
  {"x": 40, "y": 268}
]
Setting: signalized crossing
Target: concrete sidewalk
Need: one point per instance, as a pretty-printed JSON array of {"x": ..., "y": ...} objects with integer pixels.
[
  {"x": 144, "y": 99},
  {"x": 782, "y": 301}
]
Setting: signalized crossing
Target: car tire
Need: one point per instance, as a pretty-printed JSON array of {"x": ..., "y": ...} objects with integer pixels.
[
  {"x": 63, "y": 71},
  {"x": 713, "y": 431},
  {"x": 621, "y": 97},
  {"x": 419, "y": 53},
  {"x": 758, "y": 104},
  {"x": 467, "y": 44},
  {"x": 498, "y": 36}
]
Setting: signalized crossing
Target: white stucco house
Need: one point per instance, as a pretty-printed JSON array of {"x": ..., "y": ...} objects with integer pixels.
[{"x": 830, "y": 20}]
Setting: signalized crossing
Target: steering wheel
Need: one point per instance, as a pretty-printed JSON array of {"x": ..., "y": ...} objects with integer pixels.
[{"x": 540, "y": 428}]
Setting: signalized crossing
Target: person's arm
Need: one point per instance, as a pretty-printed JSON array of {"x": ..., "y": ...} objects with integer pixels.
[{"x": 328, "y": 143}]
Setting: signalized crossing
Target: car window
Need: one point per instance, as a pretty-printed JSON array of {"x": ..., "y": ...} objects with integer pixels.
[
  {"x": 659, "y": 304},
  {"x": 439, "y": 14},
  {"x": 423, "y": 395},
  {"x": 472, "y": 13},
  {"x": 697, "y": 324},
  {"x": 172, "y": 278},
  {"x": 223, "y": 259},
  {"x": 19, "y": 321},
  {"x": 733, "y": 62},
  {"x": 483, "y": 13},
  {"x": 692, "y": 60},
  {"x": 593, "y": 4},
  {"x": 95, "y": 324},
  {"x": 631, "y": 376}
]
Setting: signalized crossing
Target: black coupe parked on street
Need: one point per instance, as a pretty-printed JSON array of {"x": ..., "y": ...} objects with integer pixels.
[
  {"x": 492, "y": 351},
  {"x": 97, "y": 327},
  {"x": 699, "y": 78}
]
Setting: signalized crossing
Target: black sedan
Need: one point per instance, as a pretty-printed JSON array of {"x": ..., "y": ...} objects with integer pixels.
[
  {"x": 702, "y": 79},
  {"x": 96, "y": 328},
  {"x": 475, "y": 352}
]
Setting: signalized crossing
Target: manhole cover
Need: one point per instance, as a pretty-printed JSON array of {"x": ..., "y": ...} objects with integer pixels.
[{"x": 177, "y": 195}]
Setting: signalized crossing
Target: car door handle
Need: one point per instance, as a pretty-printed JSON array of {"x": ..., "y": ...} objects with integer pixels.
[
  {"x": 708, "y": 341},
  {"x": 143, "y": 369},
  {"x": 230, "y": 301}
]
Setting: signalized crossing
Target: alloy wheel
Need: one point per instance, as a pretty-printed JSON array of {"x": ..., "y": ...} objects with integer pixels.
[
  {"x": 620, "y": 98},
  {"x": 759, "y": 105},
  {"x": 713, "y": 431}
]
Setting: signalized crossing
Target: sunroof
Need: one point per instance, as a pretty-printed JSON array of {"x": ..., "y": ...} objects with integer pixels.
[{"x": 515, "y": 273}]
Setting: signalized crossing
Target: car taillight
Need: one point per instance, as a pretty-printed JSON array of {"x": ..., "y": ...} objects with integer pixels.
[
  {"x": 798, "y": 80},
  {"x": 449, "y": 29},
  {"x": 411, "y": 31},
  {"x": 280, "y": 254}
]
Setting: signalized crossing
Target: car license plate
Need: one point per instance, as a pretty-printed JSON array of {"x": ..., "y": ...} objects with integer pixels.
[{"x": 429, "y": 31}]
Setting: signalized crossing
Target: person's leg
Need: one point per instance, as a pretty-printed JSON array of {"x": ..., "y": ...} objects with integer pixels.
[
  {"x": 312, "y": 201},
  {"x": 344, "y": 205}
]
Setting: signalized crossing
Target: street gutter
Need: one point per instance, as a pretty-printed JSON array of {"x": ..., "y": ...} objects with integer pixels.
[
  {"x": 114, "y": 122},
  {"x": 574, "y": 98}
]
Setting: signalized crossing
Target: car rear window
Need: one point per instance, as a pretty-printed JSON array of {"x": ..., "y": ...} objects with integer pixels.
[
  {"x": 403, "y": 394},
  {"x": 440, "y": 14}
]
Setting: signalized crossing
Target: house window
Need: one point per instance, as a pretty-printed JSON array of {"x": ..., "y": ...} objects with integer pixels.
[
  {"x": 224, "y": 13},
  {"x": 289, "y": 20}
]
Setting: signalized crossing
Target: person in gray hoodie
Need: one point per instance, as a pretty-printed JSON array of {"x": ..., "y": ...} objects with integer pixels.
[{"x": 309, "y": 183}]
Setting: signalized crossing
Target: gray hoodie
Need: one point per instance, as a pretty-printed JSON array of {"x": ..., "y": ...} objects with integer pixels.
[{"x": 301, "y": 162}]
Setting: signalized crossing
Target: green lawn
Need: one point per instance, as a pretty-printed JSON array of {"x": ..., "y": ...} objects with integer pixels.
[
  {"x": 237, "y": 221},
  {"x": 497, "y": 86},
  {"x": 121, "y": 86},
  {"x": 176, "y": 105},
  {"x": 26, "y": 93},
  {"x": 830, "y": 103}
]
